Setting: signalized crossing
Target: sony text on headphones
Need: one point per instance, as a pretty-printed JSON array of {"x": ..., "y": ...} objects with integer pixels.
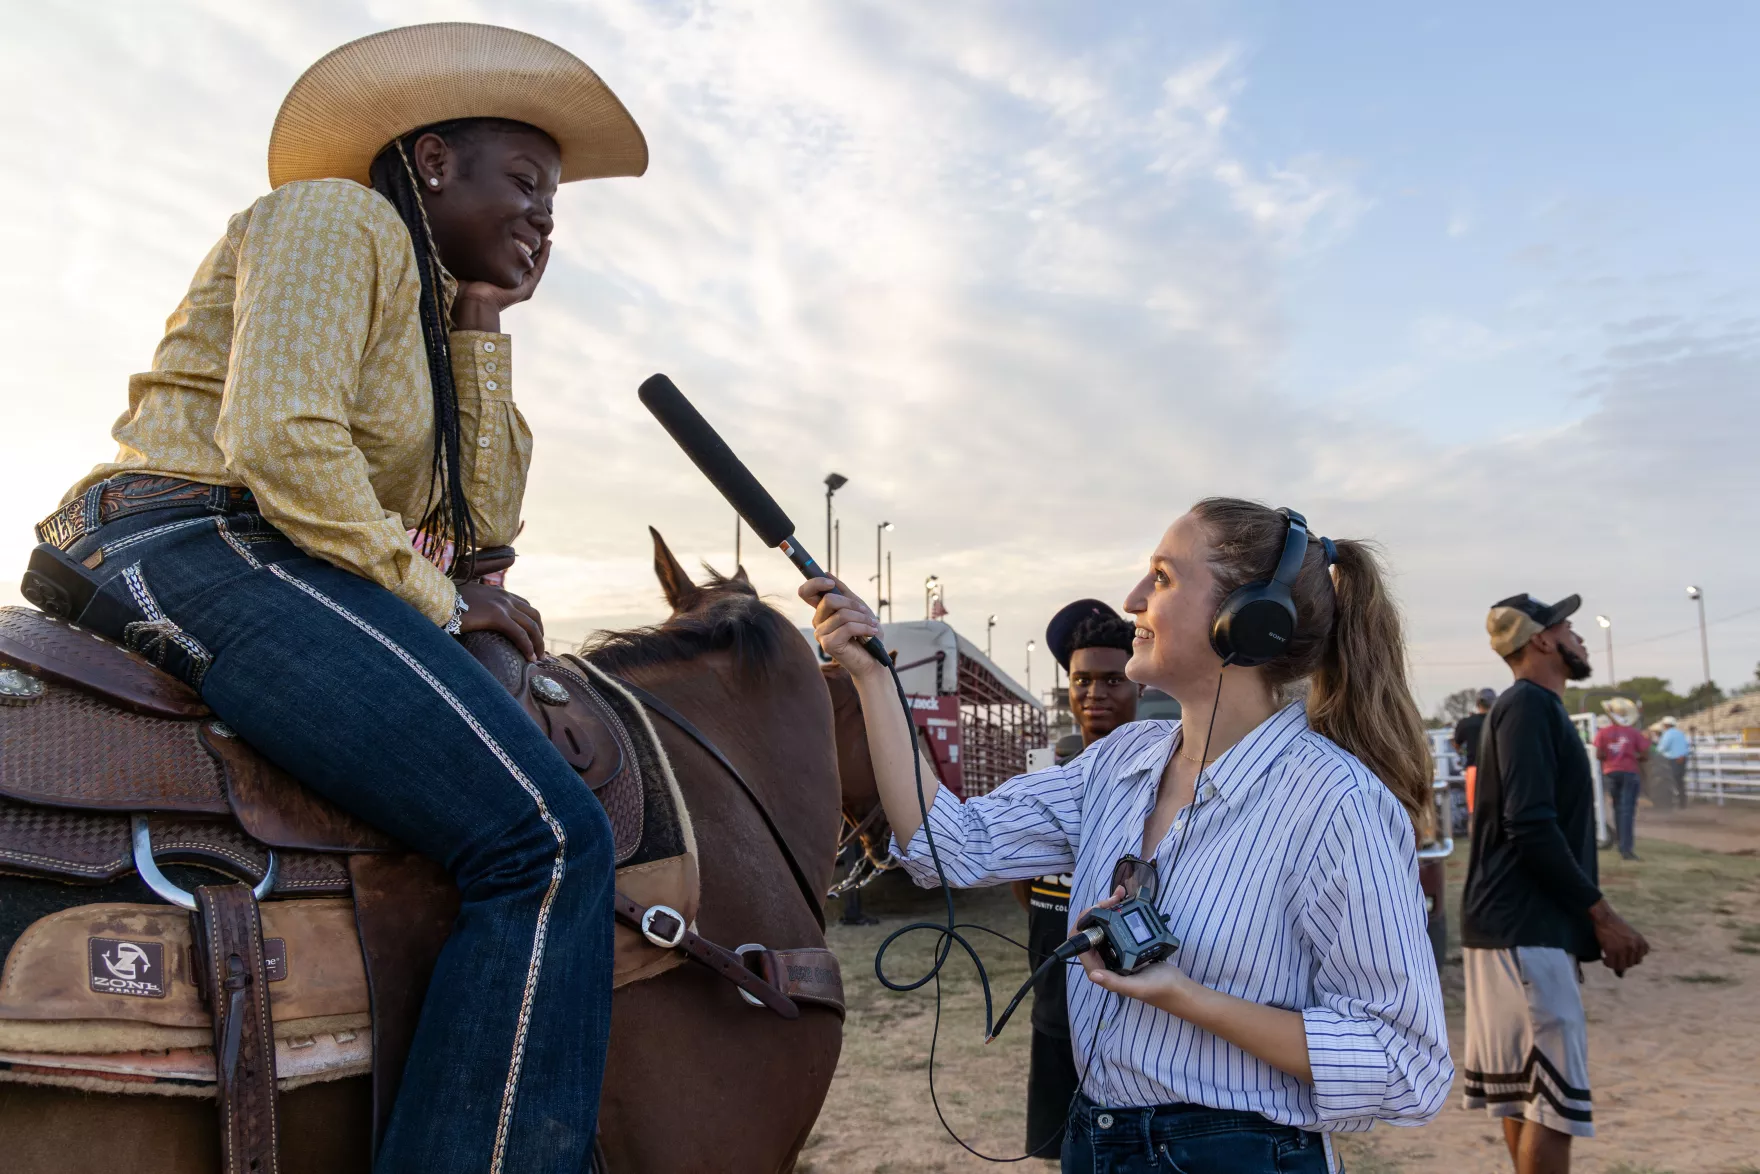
[{"x": 1257, "y": 621}]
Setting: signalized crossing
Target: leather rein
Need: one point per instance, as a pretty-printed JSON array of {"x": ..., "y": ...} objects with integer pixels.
[{"x": 701, "y": 739}]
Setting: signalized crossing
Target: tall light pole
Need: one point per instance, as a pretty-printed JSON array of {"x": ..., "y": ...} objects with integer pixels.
[
  {"x": 833, "y": 482},
  {"x": 879, "y": 567},
  {"x": 989, "y": 627},
  {"x": 1030, "y": 647},
  {"x": 1698, "y": 596},
  {"x": 891, "y": 612},
  {"x": 736, "y": 530},
  {"x": 1607, "y": 626},
  {"x": 929, "y": 585}
]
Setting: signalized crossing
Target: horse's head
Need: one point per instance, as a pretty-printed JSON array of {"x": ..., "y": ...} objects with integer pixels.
[{"x": 721, "y": 620}]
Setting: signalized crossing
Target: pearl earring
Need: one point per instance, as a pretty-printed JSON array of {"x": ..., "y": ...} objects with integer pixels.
[{"x": 433, "y": 181}]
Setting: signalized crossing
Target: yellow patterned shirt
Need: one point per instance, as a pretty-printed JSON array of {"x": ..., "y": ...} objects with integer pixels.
[{"x": 295, "y": 367}]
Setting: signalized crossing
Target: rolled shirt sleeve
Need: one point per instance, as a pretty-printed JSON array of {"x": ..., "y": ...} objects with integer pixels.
[
  {"x": 1377, "y": 1038},
  {"x": 305, "y": 314},
  {"x": 1027, "y": 827}
]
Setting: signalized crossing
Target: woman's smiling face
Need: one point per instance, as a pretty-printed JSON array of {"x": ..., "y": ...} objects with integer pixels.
[
  {"x": 1174, "y": 606},
  {"x": 491, "y": 211}
]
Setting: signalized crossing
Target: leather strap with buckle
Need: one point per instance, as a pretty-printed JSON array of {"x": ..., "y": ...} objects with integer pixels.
[
  {"x": 810, "y": 974},
  {"x": 665, "y": 927},
  {"x": 228, "y": 937}
]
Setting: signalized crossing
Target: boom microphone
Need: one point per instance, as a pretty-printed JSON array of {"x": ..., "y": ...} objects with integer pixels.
[{"x": 726, "y": 472}]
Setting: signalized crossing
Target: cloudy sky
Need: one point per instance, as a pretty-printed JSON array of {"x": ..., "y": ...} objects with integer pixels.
[{"x": 1478, "y": 282}]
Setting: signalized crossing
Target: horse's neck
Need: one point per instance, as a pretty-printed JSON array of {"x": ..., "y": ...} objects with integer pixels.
[{"x": 776, "y": 729}]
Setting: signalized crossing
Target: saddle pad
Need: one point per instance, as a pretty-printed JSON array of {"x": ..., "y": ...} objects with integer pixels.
[
  {"x": 131, "y": 965},
  {"x": 299, "y": 1060},
  {"x": 665, "y": 821}
]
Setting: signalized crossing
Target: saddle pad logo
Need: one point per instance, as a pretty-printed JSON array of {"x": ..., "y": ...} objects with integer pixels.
[{"x": 127, "y": 968}]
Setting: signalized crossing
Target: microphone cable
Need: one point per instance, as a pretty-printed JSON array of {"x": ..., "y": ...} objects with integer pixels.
[{"x": 948, "y": 935}]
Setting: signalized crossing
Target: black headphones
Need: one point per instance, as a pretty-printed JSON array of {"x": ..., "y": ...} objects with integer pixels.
[{"x": 1256, "y": 622}]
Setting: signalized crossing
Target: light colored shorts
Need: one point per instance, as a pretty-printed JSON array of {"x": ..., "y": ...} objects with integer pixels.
[{"x": 1527, "y": 1051}]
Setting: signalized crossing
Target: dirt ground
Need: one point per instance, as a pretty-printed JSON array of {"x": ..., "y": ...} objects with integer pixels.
[{"x": 1673, "y": 1047}]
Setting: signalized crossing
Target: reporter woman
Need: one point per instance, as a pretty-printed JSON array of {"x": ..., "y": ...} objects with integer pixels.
[
  {"x": 336, "y": 377},
  {"x": 1273, "y": 833}
]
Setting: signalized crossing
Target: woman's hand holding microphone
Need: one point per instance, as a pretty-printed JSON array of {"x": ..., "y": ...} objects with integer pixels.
[{"x": 841, "y": 621}]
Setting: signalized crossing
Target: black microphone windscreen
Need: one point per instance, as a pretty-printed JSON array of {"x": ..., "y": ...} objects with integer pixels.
[{"x": 710, "y": 453}]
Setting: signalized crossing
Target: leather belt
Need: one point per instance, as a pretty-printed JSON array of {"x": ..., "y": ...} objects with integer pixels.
[
  {"x": 770, "y": 978},
  {"x": 228, "y": 937},
  {"x": 134, "y": 493}
]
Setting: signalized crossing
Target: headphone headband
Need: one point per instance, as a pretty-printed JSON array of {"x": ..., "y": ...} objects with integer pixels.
[{"x": 1295, "y": 548}]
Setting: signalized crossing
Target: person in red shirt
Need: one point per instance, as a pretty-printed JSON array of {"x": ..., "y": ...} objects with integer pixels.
[{"x": 1621, "y": 747}]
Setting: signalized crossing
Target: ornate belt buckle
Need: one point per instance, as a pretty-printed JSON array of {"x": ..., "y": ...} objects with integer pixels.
[{"x": 648, "y": 932}]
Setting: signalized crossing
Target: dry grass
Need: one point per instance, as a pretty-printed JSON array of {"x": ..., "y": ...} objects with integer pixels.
[{"x": 1671, "y": 1046}]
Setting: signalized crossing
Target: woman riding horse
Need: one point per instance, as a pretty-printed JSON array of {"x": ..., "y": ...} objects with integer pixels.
[{"x": 336, "y": 378}]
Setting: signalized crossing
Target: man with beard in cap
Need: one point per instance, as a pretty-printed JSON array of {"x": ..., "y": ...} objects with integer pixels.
[
  {"x": 1531, "y": 911},
  {"x": 1093, "y": 644}
]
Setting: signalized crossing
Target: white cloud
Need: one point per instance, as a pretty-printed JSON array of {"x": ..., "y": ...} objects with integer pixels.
[{"x": 1026, "y": 292}]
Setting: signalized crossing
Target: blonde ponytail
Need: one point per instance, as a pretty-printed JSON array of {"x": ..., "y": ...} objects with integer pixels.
[{"x": 1348, "y": 648}]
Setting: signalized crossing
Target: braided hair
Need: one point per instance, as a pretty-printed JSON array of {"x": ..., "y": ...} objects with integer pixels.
[{"x": 448, "y": 516}]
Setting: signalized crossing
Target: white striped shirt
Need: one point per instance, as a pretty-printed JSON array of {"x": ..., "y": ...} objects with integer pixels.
[{"x": 1296, "y": 887}]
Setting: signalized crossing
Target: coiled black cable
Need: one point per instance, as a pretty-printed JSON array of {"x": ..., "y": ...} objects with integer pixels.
[{"x": 949, "y": 934}]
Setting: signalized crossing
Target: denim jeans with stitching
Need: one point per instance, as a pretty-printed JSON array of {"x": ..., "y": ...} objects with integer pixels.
[
  {"x": 1185, "y": 1139},
  {"x": 369, "y": 703}
]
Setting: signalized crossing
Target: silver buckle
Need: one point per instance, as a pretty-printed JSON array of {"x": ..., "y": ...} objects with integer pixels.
[
  {"x": 162, "y": 884},
  {"x": 648, "y": 926},
  {"x": 750, "y": 948}
]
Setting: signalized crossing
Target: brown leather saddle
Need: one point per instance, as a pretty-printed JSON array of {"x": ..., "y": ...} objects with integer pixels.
[{"x": 108, "y": 765}]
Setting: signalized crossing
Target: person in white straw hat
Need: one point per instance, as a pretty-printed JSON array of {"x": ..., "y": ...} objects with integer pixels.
[{"x": 336, "y": 380}]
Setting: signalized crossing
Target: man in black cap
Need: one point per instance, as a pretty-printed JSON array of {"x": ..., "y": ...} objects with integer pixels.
[
  {"x": 1093, "y": 644},
  {"x": 1531, "y": 912}
]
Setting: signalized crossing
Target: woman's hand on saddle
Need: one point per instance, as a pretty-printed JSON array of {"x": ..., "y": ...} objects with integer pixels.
[
  {"x": 495, "y": 609},
  {"x": 478, "y": 304},
  {"x": 841, "y": 621}
]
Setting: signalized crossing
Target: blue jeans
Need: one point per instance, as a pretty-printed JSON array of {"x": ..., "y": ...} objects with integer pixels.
[
  {"x": 1185, "y": 1139},
  {"x": 366, "y": 701},
  {"x": 1624, "y": 784}
]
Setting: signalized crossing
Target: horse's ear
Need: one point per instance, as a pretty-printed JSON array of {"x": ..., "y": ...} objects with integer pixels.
[
  {"x": 681, "y": 593},
  {"x": 739, "y": 575}
]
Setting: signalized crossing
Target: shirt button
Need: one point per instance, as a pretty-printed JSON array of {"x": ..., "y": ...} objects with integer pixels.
[
  {"x": 490, "y": 347},
  {"x": 1179, "y": 825},
  {"x": 489, "y": 366},
  {"x": 492, "y": 385},
  {"x": 482, "y": 442}
]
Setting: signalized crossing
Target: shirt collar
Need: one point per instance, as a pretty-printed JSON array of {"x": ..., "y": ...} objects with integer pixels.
[{"x": 1244, "y": 762}]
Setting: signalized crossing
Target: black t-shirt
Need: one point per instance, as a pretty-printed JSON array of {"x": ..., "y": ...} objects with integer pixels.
[
  {"x": 1532, "y": 873},
  {"x": 1047, "y": 929},
  {"x": 1466, "y": 738}
]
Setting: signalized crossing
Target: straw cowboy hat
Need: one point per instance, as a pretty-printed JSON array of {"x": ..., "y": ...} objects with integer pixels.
[
  {"x": 1622, "y": 710},
  {"x": 345, "y": 109}
]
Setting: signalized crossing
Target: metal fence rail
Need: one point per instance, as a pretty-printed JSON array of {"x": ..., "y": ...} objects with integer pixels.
[{"x": 1718, "y": 773}]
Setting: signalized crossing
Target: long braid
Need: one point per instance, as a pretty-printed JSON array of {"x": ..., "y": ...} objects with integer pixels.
[{"x": 448, "y": 517}]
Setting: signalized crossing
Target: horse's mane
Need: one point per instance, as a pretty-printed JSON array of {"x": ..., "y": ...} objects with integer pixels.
[{"x": 726, "y": 616}]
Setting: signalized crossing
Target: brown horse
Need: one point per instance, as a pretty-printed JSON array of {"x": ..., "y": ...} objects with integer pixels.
[{"x": 697, "y": 1079}]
